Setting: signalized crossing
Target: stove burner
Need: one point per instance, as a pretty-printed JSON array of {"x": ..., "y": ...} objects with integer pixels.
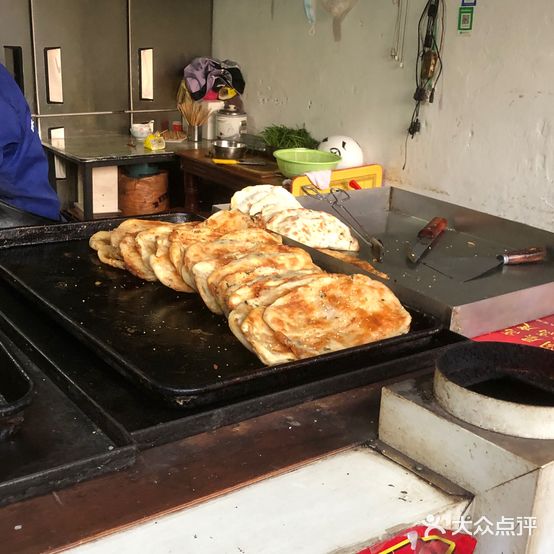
[
  {"x": 502, "y": 387},
  {"x": 512, "y": 389}
]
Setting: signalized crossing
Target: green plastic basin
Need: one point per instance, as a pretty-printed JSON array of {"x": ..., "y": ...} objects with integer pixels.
[{"x": 297, "y": 161}]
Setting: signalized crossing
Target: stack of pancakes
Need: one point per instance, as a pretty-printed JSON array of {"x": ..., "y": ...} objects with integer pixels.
[{"x": 279, "y": 304}]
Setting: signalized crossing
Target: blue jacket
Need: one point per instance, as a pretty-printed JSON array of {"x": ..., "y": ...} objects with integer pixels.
[{"x": 23, "y": 164}]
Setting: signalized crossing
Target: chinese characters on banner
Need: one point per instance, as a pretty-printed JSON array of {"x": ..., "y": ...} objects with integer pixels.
[{"x": 539, "y": 332}]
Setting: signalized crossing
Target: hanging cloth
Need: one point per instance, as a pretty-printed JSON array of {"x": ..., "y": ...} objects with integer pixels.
[
  {"x": 206, "y": 74},
  {"x": 309, "y": 10},
  {"x": 338, "y": 9}
]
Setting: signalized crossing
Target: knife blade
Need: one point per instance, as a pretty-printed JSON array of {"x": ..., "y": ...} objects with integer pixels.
[
  {"x": 466, "y": 269},
  {"x": 222, "y": 161},
  {"x": 426, "y": 237}
]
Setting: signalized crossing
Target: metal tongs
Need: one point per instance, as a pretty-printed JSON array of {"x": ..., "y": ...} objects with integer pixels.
[{"x": 337, "y": 198}]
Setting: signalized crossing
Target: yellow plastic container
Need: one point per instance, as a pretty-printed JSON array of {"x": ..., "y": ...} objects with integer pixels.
[{"x": 364, "y": 176}]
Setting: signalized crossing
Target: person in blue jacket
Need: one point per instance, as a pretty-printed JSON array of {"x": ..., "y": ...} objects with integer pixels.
[{"x": 23, "y": 164}]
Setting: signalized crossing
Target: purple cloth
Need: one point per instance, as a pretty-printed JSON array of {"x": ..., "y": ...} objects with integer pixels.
[{"x": 205, "y": 74}]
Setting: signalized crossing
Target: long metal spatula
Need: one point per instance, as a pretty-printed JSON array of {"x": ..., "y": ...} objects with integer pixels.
[{"x": 469, "y": 268}]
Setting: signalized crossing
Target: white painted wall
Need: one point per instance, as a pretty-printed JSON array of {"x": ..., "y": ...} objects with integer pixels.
[{"x": 487, "y": 142}]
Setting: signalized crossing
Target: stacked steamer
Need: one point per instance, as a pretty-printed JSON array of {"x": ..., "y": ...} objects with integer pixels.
[{"x": 279, "y": 304}]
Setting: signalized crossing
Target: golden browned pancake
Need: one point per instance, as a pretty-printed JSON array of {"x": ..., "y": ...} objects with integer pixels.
[
  {"x": 227, "y": 221},
  {"x": 163, "y": 268},
  {"x": 99, "y": 239},
  {"x": 146, "y": 241},
  {"x": 107, "y": 254},
  {"x": 202, "y": 270},
  {"x": 133, "y": 226},
  {"x": 353, "y": 259},
  {"x": 133, "y": 260},
  {"x": 200, "y": 273},
  {"x": 336, "y": 312},
  {"x": 264, "y": 341},
  {"x": 181, "y": 239},
  {"x": 235, "y": 319},
  {"x": 111, "y": 256},
  {"x": 263, "y": 294},
  {"x": 237, "y": 241},
  {"x": 227, "y": 287},
  {"x": 233, "y": 294},
  {"x": 281, "y": 258}
]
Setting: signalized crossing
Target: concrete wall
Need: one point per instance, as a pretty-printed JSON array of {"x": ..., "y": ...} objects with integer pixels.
[{"x": 487, "y": 140}]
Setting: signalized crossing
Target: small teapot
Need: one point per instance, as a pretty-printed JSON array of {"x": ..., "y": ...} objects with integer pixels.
[{"x": 142, "y": 130}]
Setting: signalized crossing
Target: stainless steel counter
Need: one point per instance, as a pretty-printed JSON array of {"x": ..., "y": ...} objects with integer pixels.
[
  {"x": 89, "y": 152},
  {"x": 505, "y": 297},
  {"x": 111, "y": 148}
]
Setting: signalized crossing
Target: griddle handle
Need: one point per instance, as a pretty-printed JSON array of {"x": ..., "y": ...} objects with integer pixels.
[
  {"x": 525, "y": 256},
  {"x": 433, "y": 229}
]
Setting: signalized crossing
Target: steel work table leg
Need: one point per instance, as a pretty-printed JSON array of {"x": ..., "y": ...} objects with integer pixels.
[
  {"x": 87, "y": 192},
  {"x": 190, "y": 185}
]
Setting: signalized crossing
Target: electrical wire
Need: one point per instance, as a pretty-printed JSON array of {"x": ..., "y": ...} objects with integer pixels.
[
  {"x": 419, "y": 40},
  {"x": 439, "y": 47},
  {"x": 415, "y": 115},
  {"x": 426, "y": 42}
]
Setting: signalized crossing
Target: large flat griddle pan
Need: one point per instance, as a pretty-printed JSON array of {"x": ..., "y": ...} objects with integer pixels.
[{"x": 164, "y": 341}]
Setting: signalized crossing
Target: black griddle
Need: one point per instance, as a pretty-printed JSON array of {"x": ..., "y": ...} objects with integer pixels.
[
  {"x": 120, "y": 408},
  {"x": 166, "y": 342},
  {"x": 56, "y": 444},
  {"x": 16, "y": 392}
]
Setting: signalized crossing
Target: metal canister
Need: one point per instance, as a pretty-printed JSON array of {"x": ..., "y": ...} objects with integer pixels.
[{"x": 230, "y": 122}]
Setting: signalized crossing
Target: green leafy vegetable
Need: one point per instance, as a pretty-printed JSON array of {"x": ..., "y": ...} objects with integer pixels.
[{"x": 280, "y": 136}]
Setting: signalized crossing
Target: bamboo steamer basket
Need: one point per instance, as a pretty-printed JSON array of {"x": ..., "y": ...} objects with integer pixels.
[{"x": 143, "y": 195}]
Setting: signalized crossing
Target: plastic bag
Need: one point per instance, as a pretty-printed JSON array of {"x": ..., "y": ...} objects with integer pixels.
[{"x": 154, "y": 142}]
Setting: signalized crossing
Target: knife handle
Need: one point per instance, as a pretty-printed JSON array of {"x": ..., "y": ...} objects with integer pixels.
[
  {"x": 222, "y": 161},
  {"x": 525, "y": 256},
  {"x": 433, "y": 229}
]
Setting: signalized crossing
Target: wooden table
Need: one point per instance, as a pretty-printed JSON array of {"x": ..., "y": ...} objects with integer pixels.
[{"x": 197, "y": 166}]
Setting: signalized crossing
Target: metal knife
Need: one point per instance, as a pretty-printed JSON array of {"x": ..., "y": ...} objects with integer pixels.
[
  {"x": 470, "y": 268},
  {"x": 222, "y": 161},
  {"x": 426, "y": 237}
]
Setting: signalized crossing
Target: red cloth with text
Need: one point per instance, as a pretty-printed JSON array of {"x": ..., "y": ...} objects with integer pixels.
[
  {"x": 539, "y": 332},
  {"x": 435, "y": 543}
]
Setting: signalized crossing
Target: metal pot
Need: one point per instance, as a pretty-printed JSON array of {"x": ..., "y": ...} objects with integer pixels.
[{"x": 228, "y": 149}]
